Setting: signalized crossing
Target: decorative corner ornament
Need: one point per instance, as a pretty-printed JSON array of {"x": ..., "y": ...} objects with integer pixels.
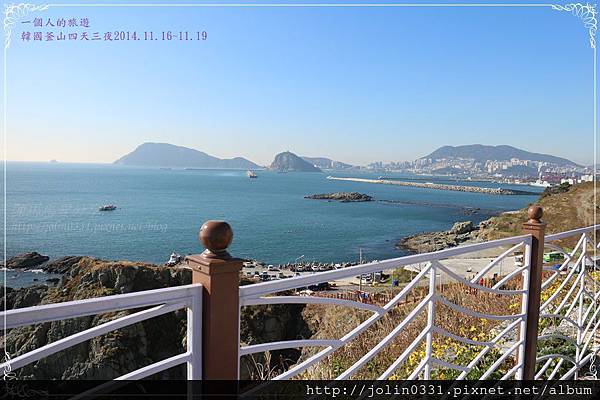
[
  {"x": 587, "y": 13},
  {"x": 7, "y": 371},
  {"x": 13, "y": 13}
]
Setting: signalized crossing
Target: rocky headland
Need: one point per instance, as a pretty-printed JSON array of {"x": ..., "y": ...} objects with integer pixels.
[
  {"x": 565, "y": 208},
  {"x": 135, "y": 346},
  {"x": 26, "y": 260},
  {"x": 344, "y": 197},
  {"x": 461, "y": 232}
]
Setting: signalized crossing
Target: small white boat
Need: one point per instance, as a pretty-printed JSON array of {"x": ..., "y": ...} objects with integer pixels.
[{"x": 251, "y": 174}]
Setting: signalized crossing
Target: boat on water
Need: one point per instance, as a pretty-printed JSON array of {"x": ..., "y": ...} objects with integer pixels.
[
  {"x": 251, "y": 174},
  {"x": 108, "y": 207},
  {"x": 540, "y": 183}
]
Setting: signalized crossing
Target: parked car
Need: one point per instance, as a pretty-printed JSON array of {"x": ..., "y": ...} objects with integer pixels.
[{"x": 553, "y": 256}]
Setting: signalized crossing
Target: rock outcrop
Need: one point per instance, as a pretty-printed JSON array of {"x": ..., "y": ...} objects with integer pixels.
[
  {"x": 344, "y": 197},
  {"x": 288, "y": 161},
  {"x": 26, "y": 260},
  {"x": 109, "y": 355},
  {"x": 135, "y": 346},
  {"x": 61, "y": 265},
  {"x": 25, "y": 297},
  {"x": 460, "y": 232}
]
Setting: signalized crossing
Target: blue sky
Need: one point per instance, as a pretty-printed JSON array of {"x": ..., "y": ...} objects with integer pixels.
[{"x": 353, "y": 84}]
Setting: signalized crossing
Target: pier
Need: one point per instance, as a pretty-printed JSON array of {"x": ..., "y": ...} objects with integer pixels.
[{"x": 440, "y": 186}]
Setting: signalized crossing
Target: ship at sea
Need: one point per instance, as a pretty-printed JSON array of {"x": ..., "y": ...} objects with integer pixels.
[
  {"x": 251, "y": 174},
  {"x": 540, "y": 182}
]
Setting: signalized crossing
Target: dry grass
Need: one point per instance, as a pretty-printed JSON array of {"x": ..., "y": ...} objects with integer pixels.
[
  {"x": 334, "y": 322},
  {"x": 562, "y": 212}
]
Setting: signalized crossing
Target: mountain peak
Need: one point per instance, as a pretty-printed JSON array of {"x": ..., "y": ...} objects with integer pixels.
[
  {"x": 482, "y": 153},
  {"x": 288, "y": 161},
  {"x": 150, "y": 154}
]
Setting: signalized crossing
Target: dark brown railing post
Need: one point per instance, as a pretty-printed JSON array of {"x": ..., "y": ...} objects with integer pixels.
[
  {"x": 536, "y": 228},
  {"x": 218, "y": 273}
]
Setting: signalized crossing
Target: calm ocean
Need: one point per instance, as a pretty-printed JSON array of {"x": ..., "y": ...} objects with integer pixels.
[{"x": 53, "y": 209}]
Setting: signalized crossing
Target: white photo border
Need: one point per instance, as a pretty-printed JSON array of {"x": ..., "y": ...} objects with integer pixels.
[{"x": 14, "y": 12}]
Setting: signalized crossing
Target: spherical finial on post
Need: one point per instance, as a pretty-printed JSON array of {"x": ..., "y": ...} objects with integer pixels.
[
  {"x": 535, "y": 214},
  {"x": 216, "y": 236}
]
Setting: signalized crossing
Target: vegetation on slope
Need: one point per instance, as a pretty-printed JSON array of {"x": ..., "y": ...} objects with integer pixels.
[{"x": 563, "y": 210}]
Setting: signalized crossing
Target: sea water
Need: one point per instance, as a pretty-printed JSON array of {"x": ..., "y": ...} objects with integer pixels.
[{"x": 53, "y": 209}]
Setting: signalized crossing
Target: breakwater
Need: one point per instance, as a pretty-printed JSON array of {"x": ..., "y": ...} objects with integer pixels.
[{"x": 439, "y": 186}]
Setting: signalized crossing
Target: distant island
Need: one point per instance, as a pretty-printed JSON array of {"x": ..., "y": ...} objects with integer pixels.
[
  {"x": 500, "y": 164},
  {"x": 288, "y": 162},
  {"x": 343, "y": 197},
  {"x": 169, "y": 155}
]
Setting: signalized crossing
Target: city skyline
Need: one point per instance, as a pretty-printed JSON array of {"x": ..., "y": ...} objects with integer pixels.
[
  {"x": 374, "y": 160},
  {"x": 353, "y": 85}
]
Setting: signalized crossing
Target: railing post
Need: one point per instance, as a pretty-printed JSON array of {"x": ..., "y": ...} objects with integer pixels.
[
  {"x": 536, "y": 228},
  {"x": 218, "y": 273}
]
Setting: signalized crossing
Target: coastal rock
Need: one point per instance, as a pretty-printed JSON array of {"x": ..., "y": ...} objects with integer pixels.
[
  {"x": 461, "y": 232},
  {"x": 135, "y": 346},
  {"x": 110, "y": 355},
  {"x": 61, "y": 265},
  {"x": 462, "y": 227},
  {"x": 271, "y": 323},
  {"x": 25, "y": 297},
  {"x": 344, "y": 197},
  {"x": 26, "y": 260}
]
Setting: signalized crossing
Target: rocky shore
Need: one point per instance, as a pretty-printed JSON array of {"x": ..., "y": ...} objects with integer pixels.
[
  {"x": 344, "y": 197},
  {"x": 135, "y": 346},
  {"x": 26, "y": 260},
  {"x": 460, "y": 233}
]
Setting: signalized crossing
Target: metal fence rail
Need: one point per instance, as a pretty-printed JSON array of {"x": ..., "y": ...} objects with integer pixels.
[
  {"x": 160, "y": 301},
  {"x": 256, "y": 295},
  {"x": 569, "y": 309},
  {"x": 547, "y": 305}
]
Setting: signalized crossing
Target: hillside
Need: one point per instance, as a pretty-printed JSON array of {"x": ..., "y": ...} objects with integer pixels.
[
  {"x": 168, "y": 155},
  {"x": 562, "y": 212},
  {"x": 483, "y": 153},
  {"x": 565, "y": 208},
  {"x": 288, "y": 161}
]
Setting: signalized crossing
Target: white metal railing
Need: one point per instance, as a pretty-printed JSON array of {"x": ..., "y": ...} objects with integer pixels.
[
  {"x": 159, "y": 301},
  {"x": 569, "y": 312},
  {"x": 256, "y": 294}
]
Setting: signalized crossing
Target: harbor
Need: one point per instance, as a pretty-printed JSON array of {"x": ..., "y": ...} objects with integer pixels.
[{"x": 438, "y": 186}]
